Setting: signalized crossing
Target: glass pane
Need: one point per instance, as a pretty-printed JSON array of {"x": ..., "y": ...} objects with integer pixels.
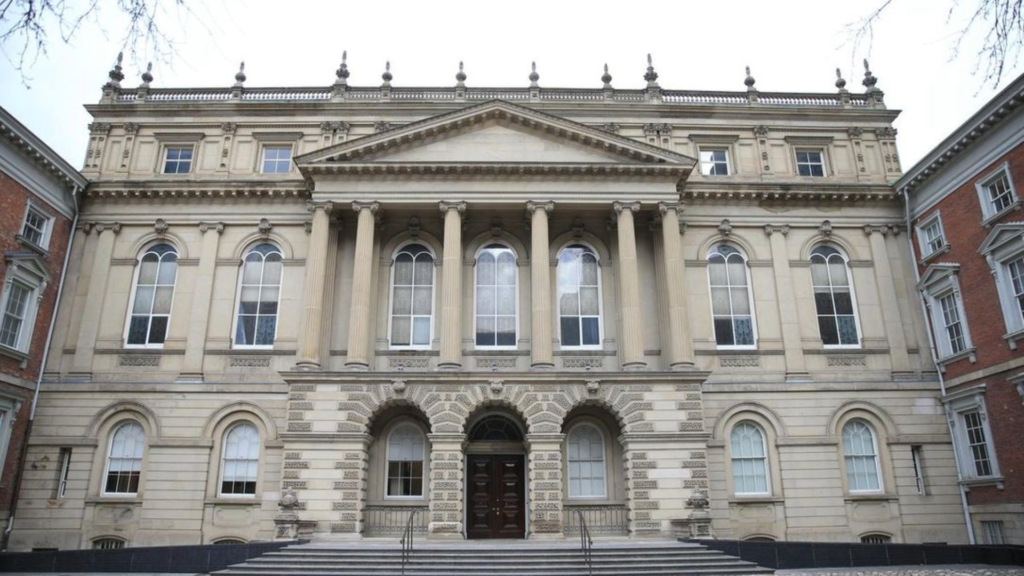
[
  {"x": 266, "y": 328},
  {"x": 819, "y": 272},
  {"x": 737, "y": 272},
  {"x": 421, "y": 303},
  {"x": 837, "y": 271},
  {"x": 168, "y": 268},
  {"x": 485, "y": 335},
  {"x": 403, "y": 301},
  {"x": 143, "y": 300},
  {"x": 249, "y": 299},
  {"x": 717, "y": 271},
  {"x": 421, "y": 331},
  {"x": 723, "y": 332},
  {"x": 744, "y": 330},
  {"x": 253, "y": 269},
  {"x": 569, "y": 304},
  {"x": 158, "y": 330},
  {"x": 591, "y": 332},
  {"x": 403, "y": 270},
  {"x": 823, "y": 302},
  {"x": 740, "y": 301},
  {"x": 588, "y": 301},
  {"x": 272, "y": 271},
  {"x": 162, "y": 303},
  {"x": 506, "y": 300},
  {"x": 827, "y": 327},
  {"x": 506, "y": 331},
  {"x": 486, "y": 269},
  {"x": 147, "y": 270},
  {"x": 424, "y": 272},
  {"x": 589, "y": 276},
  {"x": 246, "y": 333},
  {"x": 506, "y": 269},
  {"x": 137, "y": 329},
  {"x": 720, "y": 301},
  {"x": 268, "y": 300},
  {"x": 400, "y": 331},
  {"x": 848, "y": 330},
  {"x": 570, "y": 331},
  {"x": 844, "y": 304}
]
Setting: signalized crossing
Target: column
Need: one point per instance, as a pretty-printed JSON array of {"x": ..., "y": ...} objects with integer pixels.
[
  {"x": 545, "y": 473},
  {"x": 540, "y": 285},
  {"x": 447, "y": 496},
  {"x": 789, "y": 317},
  {"x": 631, "y": 341},
  {"x": 362, "y": 285},
  {"x": 93, "y": 313},
  {"x": 679, "y": 347},
  {"x": 316, "y": 278},
  {"x": 890, "y": 302},
  {"x": 202, "y": 297},
  {"x": 451, "y": 297}
]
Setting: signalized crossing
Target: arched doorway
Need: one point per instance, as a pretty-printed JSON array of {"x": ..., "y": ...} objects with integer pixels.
[{"x": 495, "y": 476}]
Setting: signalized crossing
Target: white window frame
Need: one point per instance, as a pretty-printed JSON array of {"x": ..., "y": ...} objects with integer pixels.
[
  {"x": 853, "y": 300},
  {"x": 764, "y": 460},
  {"x": 877, "y": 456},
  {"x": 65, "y": 470},
  {"x": 109, "y": 543},
  {"x": 177, "y": 146},
  {"x": 995, "y": 533},
  {"x": 958, "y": 405},
  {"x": 433, "y": 299},
  {"x": 820, "y": 150},
  {"x": 238, "y": 300},
  {"x": 604, "y": 463},
  {"x": 223, "y": 457},
  {"x": 600, "y": 301},
  {"x": 927, "y": 252},
  {"x": 45, "y": 233},
  {"x": 135, "y": 287},
  {"x": 424, "y": 478},
  {"x": 9, "y": 408},
  {"x": 712, "y": 148},
  {"x": 106, "y": 465},
  {"x": 939, "y": 286},
  {"x": 988, "y": 211},
  {"x": 750, "y": 298},
  {"x": 20, "y": 274},
  {"x": 1001, "y": 249},
  {"x": 276, "y": 145},
  {"x": 476, "y": 281}
]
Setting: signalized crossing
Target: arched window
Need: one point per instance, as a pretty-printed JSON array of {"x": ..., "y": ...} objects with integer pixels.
[
  {"x": 405, "y": 462},
  {"x": 154, "y": 290},
  {"x": 496, "y": 300},
  {"x": 240, "y": 461},
  {"x": 749, "y": 460},
  {"x": 124, "y": 460},
  {"x": 412, "y": 297},
  {"x": 495, "y": 428},
  {"x": 833, "y": 298},
  {"x": 730, "y": 297},
  {"x": 259, "y": 296},
  {"x": 579, "y": 297},
  {"x": 586, "y": 463},
  {"x": 861, "y": 454}
]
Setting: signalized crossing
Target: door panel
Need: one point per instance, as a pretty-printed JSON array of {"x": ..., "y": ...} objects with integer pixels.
[
  {"x": 480, "y": 514},
  {"x": 495, "y": 495}
]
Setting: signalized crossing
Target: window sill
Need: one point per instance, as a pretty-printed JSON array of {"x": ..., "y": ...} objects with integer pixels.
[
  {"x": 872, "y": 497},
  {"x": 968, "y": 353},
  {"x": 249, "y": 500},
  {"x": 1012, "y": 338},
  {"x": 936, "y": 253},
  {"x": 31, "y": 245},
  {"x": 987, "y": 222},
  {"x": 114, "y": 499},
  {"x": 399, "y": 501},
  {"x": 12, "y": 353},
  {"x": 996, "y": 481},
  {"x": 741, "y": 500}
]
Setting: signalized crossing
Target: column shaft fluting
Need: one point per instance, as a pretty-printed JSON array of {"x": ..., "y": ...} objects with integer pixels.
[
  {"x": 680, "y": 348},
  {"x": 451, "y": 297},
  {"x": 540, "y": 285},
  {"x": 316, "y": 278},
  {"x": 631, "y": 340},
  {"x": 362, "y": 285}
]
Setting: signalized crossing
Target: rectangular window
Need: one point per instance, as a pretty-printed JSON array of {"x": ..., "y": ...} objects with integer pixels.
[
  {"x": 1016, "y": 269},
  {"x": 951, "y": 322},
  {"x": 999, "y": 193},
  {"x": 977, "y": 444},
  {"x": 178, "y": 160},
  {"x": 810, "y": 163},
  {"x": 996, "y": 193},
  {"x": 931, "y": 237},
  {"x": 405, "y": 478},
  {"x": 65, "y": 467},
  {"x": 714, "y": 162},
  {"x": 15, "y": 312},
  {"x": 993, "y": 532},
  {"x": 918, "y": 460},
  {"x": 36, "y": 227},
  {"x": 277, "y": 159}
]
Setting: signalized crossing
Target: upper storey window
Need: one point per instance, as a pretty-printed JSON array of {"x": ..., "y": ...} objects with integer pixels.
[
  {"x": 730, "y": 297},
  {"x": 930, "y": 236},
  {"x": 810, "y": 162},
  {"x": 412, "y": 297},
  {"x": 579, "y": 297},
  {"x": 496, "y": 299},
  {"x": 833, "y": 298},
  {"x": 154, "y": 290},
  {"x": 714, "y": 161},
  {"x": 259, "y": 295},
  {"x": 277, "y": 159},
  {"x": 36, "y": 228},
  {"x": 996, "y": 193},
  {"x": 178, "y": 159}
]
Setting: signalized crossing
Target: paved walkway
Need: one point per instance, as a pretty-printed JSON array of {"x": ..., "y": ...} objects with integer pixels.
[{"x": 937, "y": 570}]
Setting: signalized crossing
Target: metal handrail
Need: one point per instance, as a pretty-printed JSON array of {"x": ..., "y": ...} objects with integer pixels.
[
  {"x": 586, "y": 543},
  {"x": 407, "y": 537}
]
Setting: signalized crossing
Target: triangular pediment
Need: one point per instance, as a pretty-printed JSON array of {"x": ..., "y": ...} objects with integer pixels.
[
  {"x": 29, "y": 262},
  {"x": 936, "y": 273},
  {"x": 496, "y": 133},
  {"x": 1002, "y": 236}
]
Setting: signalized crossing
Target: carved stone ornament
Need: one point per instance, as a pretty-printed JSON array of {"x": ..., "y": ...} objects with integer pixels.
[
  {"x": 228, "y": 127},
  {"x": 578, "y": 227},
  {"x": 264, "y": 227},
  {"x": 770, "y": 229},
  {"x": 760, "y": 131},
  {"x": 217, "y": 227},
  {"x": 698, "y": 501},
  {"x": 612, "y": 127},
  {"x": 414, "y": 227},
  {"x": 854, "y": 132},
  {"x": 339, "y": 127},
  {"x": 658, "y": 128},
  {"x": 497, "y": 227},
  {"x": 160, "y": 227},
  {"x": 497, "y": 386},
  {"x": 826, "y": 228},
  {"x": 886, "y": 132},
  {"x": 289, "y": 501},
  {"x": 725, "y": 228},
  {"x": 131, "y": 128},
  {"x": 382, "y": 126},
  {"x": 593, "y": 386},
  {"x": 99, "y": 128},
  {"x": 398, "y": 386}
]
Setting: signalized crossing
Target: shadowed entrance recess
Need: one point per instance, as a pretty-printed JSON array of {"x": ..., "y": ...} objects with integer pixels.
[{"x": 495, "y": 479}]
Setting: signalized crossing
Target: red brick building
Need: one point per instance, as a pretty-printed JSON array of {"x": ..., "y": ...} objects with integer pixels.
[
  {"x": 967, "y": 229},
  {"x": 38, "y": 206}
]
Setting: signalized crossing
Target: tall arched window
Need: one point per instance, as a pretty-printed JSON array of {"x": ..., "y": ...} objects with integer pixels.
[
  {"x": 579, "y": 297},
  {"x": 124, "y": 460},
  {"x": 259, "y": 296},
  {"x": 730, "y": 297},
  {"x": 240, "y": 461},
  {"x": 861, "y": 454},
  {"x": 154, "y": 290},
  {"x": 586, "y": 463},
  {"x": 749, "y": 459},
  {"x": 833, "y": 298},
  {"x": 405, "y": 462},
  {"x": 496, "y": 299},
  {"x": 412, "y": 297}
]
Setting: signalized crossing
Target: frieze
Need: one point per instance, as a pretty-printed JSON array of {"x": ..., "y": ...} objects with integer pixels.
[
  {"x": 344, "y": 505},
  {"x": 296, "y": 464},
  {"x": 346, "y": 485},
  {"x": 350, "y": 388},
  {"x": 347, "y": 464},
  {"x": 302, "y": 387},
  {"x": 687, "y": 387},
  {"x": 300, "y": 426},
  {"x": 293, "y": 455},
  {"x": 646, "y": 484},
  {"x": 646, "y": 505},
  {"x": 643, "y": 464},
  {"x": 695, "y": 483}
]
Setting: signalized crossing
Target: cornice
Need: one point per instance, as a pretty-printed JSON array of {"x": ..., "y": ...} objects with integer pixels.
[
  {"x": 198, "y": 189},
  {"x": 38, "y": 152},
  {"x": 761, "y": 191},
  {"x": 448, "y": 169}
]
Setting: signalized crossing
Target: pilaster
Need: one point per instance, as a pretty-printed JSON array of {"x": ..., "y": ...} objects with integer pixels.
[
  {"x": 789, "y": 317},
  {"x": 447, "y": 481},
  {"x": 540, "y": 285},
  {"x": 202, "y": 296},
  {"x": 546, "y": 475},
  {"x": 451, "y": 297},
  {"x": 93, "y": 312},
  {"x": 888, "y": 299},
  {"x": 360, "y": 314},
  {"x": 632, "y": 345},
  {"x": 316, "y": 278}
]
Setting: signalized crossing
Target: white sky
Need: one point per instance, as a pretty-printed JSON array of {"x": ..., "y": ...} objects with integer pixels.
[{"x": 791, "y": 45}]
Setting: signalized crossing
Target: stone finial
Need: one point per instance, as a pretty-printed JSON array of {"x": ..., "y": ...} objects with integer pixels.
[
  {"x": 115, "y": 74},
  {"x": 387, "y": 73},
  {"x": 749, "y": 80},
  {"x": 147, "y": 76},
  {"x": 342, "y": 72},
  {"x": 840, "y": 83},
  {"x": 869, "y": 79},
  {"x": 651, "y": 76},
  {"x": 240, "y": 77},
  {"x": 534, "y": 76},
  {"x": 606, "y": 77},
  {"x": 460, "y": 77}
]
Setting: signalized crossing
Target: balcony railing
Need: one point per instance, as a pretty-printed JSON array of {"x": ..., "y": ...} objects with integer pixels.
[
  {"x": 601, "y": 519},
  {"x": 390, "y": 521}
]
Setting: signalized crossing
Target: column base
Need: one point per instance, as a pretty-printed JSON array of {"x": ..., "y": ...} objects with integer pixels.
[
  {"x": 542, "y": 366},
  {"x": 634, "y": 366},
  {"x": 308, "y": 366},
  {"x": 681, "y": 366},
  {"x": 357, "y": 366},
  {"x": 189, "y": 378},
  {"x": 798, "y": 377},
  {"x": 449, "y": 366}
]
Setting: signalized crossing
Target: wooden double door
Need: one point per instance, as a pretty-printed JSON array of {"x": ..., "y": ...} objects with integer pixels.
[{"x": 496, "y": 497}]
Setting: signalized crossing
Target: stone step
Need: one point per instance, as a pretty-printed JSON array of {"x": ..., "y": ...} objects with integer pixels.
[{"x": 288, "y": 556}]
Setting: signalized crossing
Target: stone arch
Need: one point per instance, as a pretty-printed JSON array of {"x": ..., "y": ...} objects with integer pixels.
[
  {"x": 250, "y": 240},
  {"x": 617, "y": 400},
  {"x": 142, "y": 243},
  {"x": 590, "y": 239},
  {"x": 836, "y": 240},
  {"x": 734, "y": 414},
  {"x": 268, "y": 425},
  {"x": 873, "y": 413},
  {"x": 144, "y": 414},
  {"x": 496, "y": 405},
  {"x": 391, "y": 247},
  {"x": 749, "y": 253},
  {"x": 502, "y": 237}
]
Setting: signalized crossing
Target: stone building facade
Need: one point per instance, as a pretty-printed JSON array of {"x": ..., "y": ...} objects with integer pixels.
[
  {"x": 964, "y": 204},
  {"x": 505, "y": 309},
  {"x": 38, "y": 202}
]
